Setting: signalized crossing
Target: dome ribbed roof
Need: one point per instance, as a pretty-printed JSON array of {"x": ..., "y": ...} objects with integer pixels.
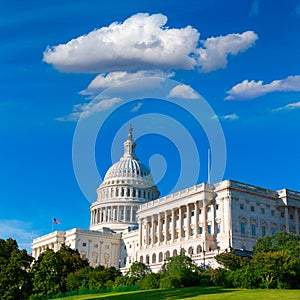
[{"x": 129, "y": 168}]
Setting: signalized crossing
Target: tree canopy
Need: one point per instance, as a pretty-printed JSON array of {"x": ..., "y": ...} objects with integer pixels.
[{"x": 15, "y": 278}]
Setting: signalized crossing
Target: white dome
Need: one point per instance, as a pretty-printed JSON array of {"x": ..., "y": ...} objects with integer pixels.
[
  {"x": 130, "y": 169},
  {"x": 127, "y": 184}
]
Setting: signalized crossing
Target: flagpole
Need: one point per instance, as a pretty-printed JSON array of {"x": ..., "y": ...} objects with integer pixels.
[{"x": 52, "y": 224}]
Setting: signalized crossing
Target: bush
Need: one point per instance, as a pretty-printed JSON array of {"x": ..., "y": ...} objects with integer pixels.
[
  {"x": 150, "y": 281},
  {"x": 169, "y": 282}
]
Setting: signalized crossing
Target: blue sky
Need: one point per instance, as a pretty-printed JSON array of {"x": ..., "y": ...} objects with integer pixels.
[{"x": 242, "y": 57}]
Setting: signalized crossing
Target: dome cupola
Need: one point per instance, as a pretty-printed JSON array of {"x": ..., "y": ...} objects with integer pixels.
[{"x": 127, "y": 184}]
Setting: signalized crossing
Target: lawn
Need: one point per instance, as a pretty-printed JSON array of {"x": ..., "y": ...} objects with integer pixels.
[{"x": 194, "y": 293}]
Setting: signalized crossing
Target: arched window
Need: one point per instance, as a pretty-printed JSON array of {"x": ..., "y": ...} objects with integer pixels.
[
  {"x": 191, "y": 250},
  {"x": 141, "y": 259},
  {"x": 175, "y": 252},
  {"x": 160, "y": 257},
  {"x": 153, "y": 258},
  {"x": 168, "y": 254},
  {"x": 199, "y": 249}
]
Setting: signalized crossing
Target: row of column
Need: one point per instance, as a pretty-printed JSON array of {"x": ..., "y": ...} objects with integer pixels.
[
  {"x": 130, "y": 192},
  {"x": 114, "y": 214},
  {"x": 157, "y": 226}
]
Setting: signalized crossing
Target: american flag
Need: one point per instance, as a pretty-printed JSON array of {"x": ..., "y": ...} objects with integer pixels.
[{"x": 55, "y": 221}]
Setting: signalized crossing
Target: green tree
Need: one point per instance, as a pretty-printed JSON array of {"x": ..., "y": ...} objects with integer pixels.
[
  {"x": 149, "y": 281},
  {"x": 183, "y": 269},
  {"x": 280, "y": 241},
  {"x": 232, "y": 261},
  {"x": 15, "y": 278},
  {"x": 279, "y": 269},
  {"x": 138, "y": 270},
  {"x": 51, "y": 269}
]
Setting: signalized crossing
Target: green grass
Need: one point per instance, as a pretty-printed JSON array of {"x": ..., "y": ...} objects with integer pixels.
[{"x": 194, "y": 293}]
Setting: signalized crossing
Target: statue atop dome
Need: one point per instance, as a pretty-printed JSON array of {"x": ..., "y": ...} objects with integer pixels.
[{"x": 129, "y": 146}]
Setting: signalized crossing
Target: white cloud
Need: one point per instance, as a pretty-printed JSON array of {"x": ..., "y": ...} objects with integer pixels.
[
  {"x": 20, "y": 231},
  {"x": 137, "y": 107},
  {"x": 183, "y": 91},
  {"x": 104, "y": 81},
  {"x": 140, "y": 42},
  {"x": 144, "y": 42},
  {"x": 214, "y": 55},
  {"x": 87, "y": 109},
  {"x": 252, "y": 89},
  {"x": 230, "y": 117},
  {"x": 290, "y": 106}
]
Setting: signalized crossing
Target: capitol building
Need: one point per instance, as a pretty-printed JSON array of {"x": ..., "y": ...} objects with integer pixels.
[{"x": 130, "y": 222}]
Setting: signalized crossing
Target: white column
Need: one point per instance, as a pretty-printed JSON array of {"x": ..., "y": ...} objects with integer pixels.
[
  {"x": 180, "y": 224},
  {"x": 158, "y": 228},
  {"x": 152, "y": 231},
  {"x": 113, "y": 214},
  {"x": 173, "y": 224},
  {"x": 131, "y": 214},
  {"x": 124, "y": 209},
  {"x": 204, "y": 218},
  {"x": 96, "y": 216},
  {"x": 196, "y": 219},
  {"x": 166, "y": 227},
  {"x": 147, "y": 232},
  {"x": 140, "y": 233},
  {"x": 188, "y": 221},
  {"x": 296, "y": 216},
  {"x": 118, "y": 213}
]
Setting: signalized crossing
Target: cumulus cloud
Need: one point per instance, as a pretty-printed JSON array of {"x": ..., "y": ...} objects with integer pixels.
[
  {"x": 183, "y": 91},
  {"x": 104, "y": 81},
  {"x": 143, "y": 42},
  {"x": 252, "y": 89},
  {"x": 20, "y": 231},
  {"x": 87, "y": 109},
  {"x": 230, "y": 117},
  {"x": 291, "y": 106},
  {"x": 217, "y": 49}
]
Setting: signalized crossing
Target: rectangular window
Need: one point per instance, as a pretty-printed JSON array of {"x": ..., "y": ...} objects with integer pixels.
[
  {"x": 83, "y": 244},
  {"x": 272, "y": 213},
  {"x": 209, "y": 209},
  {"x": 209, "y": 229},
  {"x": 218, "y": 228},
  {"x": 291, "y": 217},
  {"x": 253, "y": 229},
  {"x": 262, "y": 210},
  {"x": 242, "y": 228},
  {"x": 263, "y": 230},
  {"x": 241, "y": 206},
  {"x": 273, "y": 230},
  {"x": 193, "y": 213},
  {"x": 282, "y": 215},
  {"x": 217, "y": 206},
  {"x": 252, "y": 208},
  {"x": 200, "y": 230}
]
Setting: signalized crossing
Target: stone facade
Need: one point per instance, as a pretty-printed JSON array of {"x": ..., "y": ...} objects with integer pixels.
[{"x": 130, "y": 223}]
